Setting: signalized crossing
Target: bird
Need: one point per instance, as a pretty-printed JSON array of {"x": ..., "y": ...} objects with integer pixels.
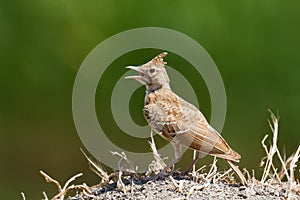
[{"x": 178, "y": 121}]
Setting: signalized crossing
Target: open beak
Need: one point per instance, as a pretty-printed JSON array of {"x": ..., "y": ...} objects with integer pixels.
[{"x": 141, "y": 77}]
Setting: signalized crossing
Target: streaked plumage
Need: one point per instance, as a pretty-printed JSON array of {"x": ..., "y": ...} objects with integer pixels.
[{"x": 175, "y": 119}]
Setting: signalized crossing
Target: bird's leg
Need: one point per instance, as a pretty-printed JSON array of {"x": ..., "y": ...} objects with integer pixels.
[
  {"x": 188, "y": 170},
  {"x": 178, "y": 155}
]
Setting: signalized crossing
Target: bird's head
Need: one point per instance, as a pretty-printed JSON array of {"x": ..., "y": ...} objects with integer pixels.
[{"x": 152, "y": 74}]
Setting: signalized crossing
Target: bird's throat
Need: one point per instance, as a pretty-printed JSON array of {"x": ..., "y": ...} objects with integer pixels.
[{"x": 152, "y": 88}]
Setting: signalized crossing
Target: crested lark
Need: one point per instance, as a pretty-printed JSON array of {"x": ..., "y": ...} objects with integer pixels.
[{"x": 178, "y": 121}]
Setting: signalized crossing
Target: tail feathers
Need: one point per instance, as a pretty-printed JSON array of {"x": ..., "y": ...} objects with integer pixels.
[{"x": 230, "y": 155}]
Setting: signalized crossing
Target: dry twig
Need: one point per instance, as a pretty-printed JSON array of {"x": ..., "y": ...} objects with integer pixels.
[
  {"x": 177, "y": 187},
  {"x": 97, "y": 169},
  {"x": 45, "y": 195},
  {"x": 222, "y": 175},
  {"x": 196, "y": 187},
  {"x": 121, "y": 186},
  {"x": 51, "y": 180},
  {"x": 293, "y": 183},
  {"x": 213, "y": 169},
  {"x": 66, "y": 188},
  {"x": 23, "y": 196},
  {"x": 129, "y": 168},
  {"x": 273, "y": 147}
]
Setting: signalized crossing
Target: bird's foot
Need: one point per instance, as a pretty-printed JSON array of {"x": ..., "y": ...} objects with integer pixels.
[
  {"x": 185, "y": 173},
  {"x": 155, "y": 177},
  {"x": 160, "y": 175}
]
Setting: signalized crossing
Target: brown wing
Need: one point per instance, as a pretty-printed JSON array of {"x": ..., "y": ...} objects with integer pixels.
[
  {"x": 200, "y": 136},
  {"x": 177, "y": 120}
]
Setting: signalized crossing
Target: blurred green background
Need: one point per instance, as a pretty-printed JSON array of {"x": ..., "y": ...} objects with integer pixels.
[{"x": 254, "y": 43}]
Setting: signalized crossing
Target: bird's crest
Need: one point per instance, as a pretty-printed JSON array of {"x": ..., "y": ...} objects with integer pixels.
[{"x": 158, "y": 60}]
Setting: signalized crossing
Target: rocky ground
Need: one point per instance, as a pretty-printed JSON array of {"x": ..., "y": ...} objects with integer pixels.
[{"x": 185, "y": 188}]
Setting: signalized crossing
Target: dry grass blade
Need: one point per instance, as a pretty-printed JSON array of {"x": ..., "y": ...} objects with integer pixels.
[
  {"x": 254, "y": 181},
  {"x": 129, "y": 168},
  {"x": 23, "y": 196},
  {"x": 273, "y": 147},
  {"x": 290, "y": 163},
  {"x": 284, "y": 167},
  {"x": 293, "y": 186},
  {"x": 96, "y": 168},
  {"x": 293, "y": 164},
  {"x": 85, "y": 189},
  {"x": 65, "y": 189},
  {"x": 71, "y": 180},
  {"x": 158, "y": 163},
  {"x": 270, "y": 154},
  {"x": 51, "y": 180},
  {"x": 222, "y": 175},
  {"x": 247, "y": 173},
  {"x": 177, "y": 187},
  {"x": 196, "y": 187},
  {"x": 45, "y": 195},
  {"x": 213, "y": 169},
  {"x": 121, "y": 186},
  {"x": 283, "y": 172}
]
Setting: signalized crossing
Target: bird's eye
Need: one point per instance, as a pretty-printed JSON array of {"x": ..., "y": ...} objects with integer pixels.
[{"x": 152, "y": 70}]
